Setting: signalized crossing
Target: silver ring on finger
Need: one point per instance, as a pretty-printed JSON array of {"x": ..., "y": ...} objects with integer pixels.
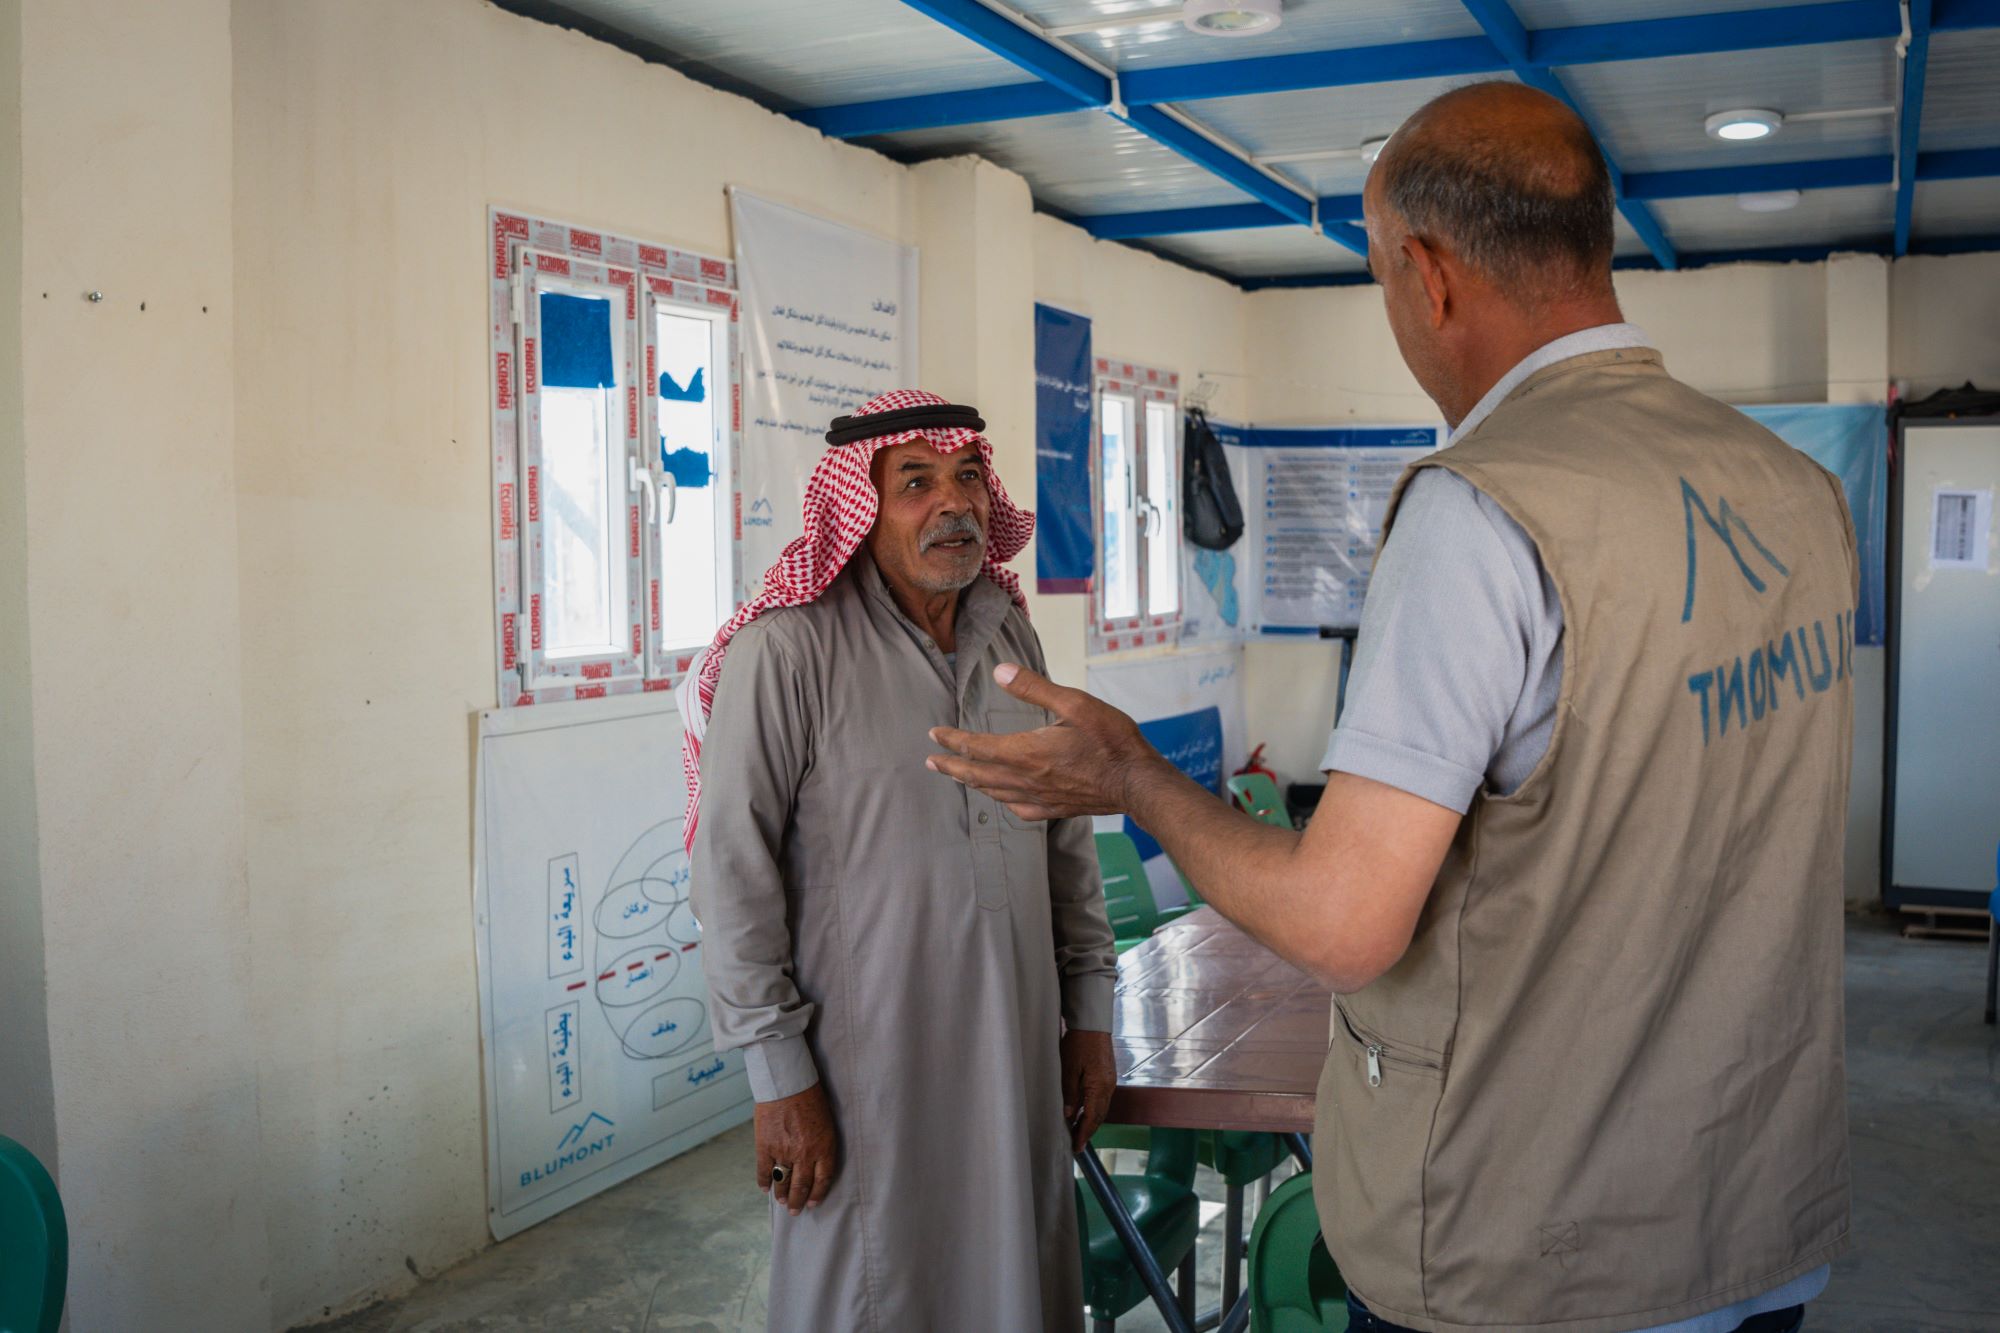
[{"x": 778, "y": 1174}]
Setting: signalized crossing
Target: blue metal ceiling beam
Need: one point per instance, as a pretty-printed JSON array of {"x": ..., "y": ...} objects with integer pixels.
[
  {"x": 1958, "y": 163},
  {"x": 930, "y": 111},
  {"x": 1807, "y": 254},
  {"x": 1051, "y": 64},
  {"x": 1504, "y": 28},
  {"x": 1449, "y": 57},
  {"x": 1958, "y": 15},
  {"x": 1333, "y": 209},
  {"x": 1909, "y": 119},
  {"x": 1784, "y": 254},
  {"x": 1826, "y": 174},
  {"x": 1182, "y": 221},
  {"x": 1158, "y": 126},
  {"x": 1834, "y": 173},
  {"x": 1038, "y": 56},
  {"x": 1706, "y": 34}
]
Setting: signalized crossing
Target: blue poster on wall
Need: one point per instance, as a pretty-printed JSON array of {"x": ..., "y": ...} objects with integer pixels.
[
  {"x": 1852, "y": 442},
  {"x": 1065, "y": 553},
  {"x": 1192, "y": 742}
]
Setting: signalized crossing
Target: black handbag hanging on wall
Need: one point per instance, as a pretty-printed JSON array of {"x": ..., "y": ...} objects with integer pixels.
[{"x": 1208, "y": 493}]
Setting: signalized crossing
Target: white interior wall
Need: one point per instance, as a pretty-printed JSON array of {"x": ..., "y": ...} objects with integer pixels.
[
  {"x": 135, "y": 669},
  {"x": 372, "y": 137},
  {"x": 251, "y": 781},
  {"x": 1944, "y": 322}
]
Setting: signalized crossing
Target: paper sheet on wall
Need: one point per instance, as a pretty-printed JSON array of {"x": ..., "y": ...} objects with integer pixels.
[
  {"x": 1961, "y": 527},
  {"x": 829, "y": 321}
]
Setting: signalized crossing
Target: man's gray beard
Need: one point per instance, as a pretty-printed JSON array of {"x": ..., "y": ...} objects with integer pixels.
[{"x": 962, "y": 528}]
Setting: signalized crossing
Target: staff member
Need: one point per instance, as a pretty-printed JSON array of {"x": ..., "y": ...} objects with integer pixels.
[{"x": 1576, "y": 876}]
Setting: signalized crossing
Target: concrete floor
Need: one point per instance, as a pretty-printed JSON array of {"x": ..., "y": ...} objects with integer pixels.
[{"x": 683, "y": 1247}]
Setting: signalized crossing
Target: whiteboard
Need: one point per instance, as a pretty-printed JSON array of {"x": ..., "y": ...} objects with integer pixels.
[
  {"x": 1946, "y": 798},
  {"x": 599, "y": 1058}
]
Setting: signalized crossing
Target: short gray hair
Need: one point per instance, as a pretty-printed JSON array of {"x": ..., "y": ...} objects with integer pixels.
[{"x": 1514, "y": 215}]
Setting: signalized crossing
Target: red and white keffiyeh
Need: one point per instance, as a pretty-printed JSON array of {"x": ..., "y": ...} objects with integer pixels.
[{"x": 839, "y": 514}]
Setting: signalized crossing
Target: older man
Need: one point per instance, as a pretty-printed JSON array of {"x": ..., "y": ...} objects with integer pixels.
[
  {"x": 1577, "y": 870},
  {"x": 920, "y": 980}
]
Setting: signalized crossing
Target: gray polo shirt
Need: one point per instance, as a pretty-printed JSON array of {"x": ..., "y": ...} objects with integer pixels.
[{"x": 1458, "y": 667}]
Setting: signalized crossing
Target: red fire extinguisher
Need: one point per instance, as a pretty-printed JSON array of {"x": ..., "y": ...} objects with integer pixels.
[{"x": 1256, "y": 765}]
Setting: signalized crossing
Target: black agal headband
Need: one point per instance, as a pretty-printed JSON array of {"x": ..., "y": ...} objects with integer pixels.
[{"x": 847, "y": 430}]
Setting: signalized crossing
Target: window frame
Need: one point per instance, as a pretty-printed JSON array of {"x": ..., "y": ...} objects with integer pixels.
[
  {"x": 720, "y": 309},
  {"x": 1144, "y": 386},
  {"x": 539, "y": 272},
  {"x": 525, "y": 248}
]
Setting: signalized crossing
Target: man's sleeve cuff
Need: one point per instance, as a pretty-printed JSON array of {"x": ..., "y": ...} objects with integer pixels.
[
  {"x": 779, "y": 1067},
  {"x": 1436, "y": 780},
  {"x": 1087, "y": 1002}
]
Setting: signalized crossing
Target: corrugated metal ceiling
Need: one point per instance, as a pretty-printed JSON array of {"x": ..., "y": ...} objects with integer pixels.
[{"x": 800, "y": 55}]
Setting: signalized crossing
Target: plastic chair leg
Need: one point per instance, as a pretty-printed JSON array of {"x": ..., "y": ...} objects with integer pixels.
[
  {"x": 1232, "y": 1246},
  {"x": 1184, "y": 1286},
  {"x": 1104, "y": 1326}
]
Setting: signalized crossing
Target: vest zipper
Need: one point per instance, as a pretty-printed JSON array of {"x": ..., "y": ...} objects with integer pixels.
[{"x": 1374, "y": 1066}]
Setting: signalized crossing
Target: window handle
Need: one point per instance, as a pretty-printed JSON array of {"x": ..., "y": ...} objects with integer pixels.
[
  {"x": 1154, "y": 519},
  {"x": 672, "y": 502},
  {"x": 641, "y": 479}
]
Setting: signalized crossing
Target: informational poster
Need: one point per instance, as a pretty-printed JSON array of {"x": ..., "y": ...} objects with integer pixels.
[
  {"x": 829, "y": 321},
  {"x": 1314, "y": 501},
  {"x": 1065, "y": 553},
  {"x": 1190, "y": 706},
  {"x": 1850, "y": 440},
  {"x": 599, "y": 1056}
]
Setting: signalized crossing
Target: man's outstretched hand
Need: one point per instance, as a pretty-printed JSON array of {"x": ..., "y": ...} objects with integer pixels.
[{"x": 1088, "y": 763}]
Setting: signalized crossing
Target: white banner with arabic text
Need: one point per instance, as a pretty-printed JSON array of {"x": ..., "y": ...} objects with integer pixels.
[{"x": 829, "y": 321}]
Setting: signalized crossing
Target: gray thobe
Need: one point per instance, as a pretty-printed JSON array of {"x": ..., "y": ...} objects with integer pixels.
[{"x": 911, "y": 945}]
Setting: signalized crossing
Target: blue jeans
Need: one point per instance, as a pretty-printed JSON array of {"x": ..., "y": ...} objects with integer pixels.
[{"x": 1360, "y": 1319}]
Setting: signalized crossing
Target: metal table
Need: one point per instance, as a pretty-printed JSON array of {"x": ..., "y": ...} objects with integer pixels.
[{"x": 1211, "y": 1030}]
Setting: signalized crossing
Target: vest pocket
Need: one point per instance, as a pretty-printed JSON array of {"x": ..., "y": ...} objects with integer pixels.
[
  {"x": 1375, "y": 1107},
  {"x": 1378, "y": 1055}
]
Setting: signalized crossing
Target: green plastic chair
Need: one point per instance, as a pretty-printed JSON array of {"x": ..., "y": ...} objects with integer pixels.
[
  {"x": 1258, "y": 795},
  {"x": 1241, "y": 1158},
  {"x": 34, "y": 1244},
  {"x": 1128, "y": 894},
  {"x": 1164, "y": 1205},
  {"x": 1294, "y": 1286}
]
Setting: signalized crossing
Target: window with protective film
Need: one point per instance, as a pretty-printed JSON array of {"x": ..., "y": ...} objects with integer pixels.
[
  {"x": 1136, "y": 455},
  {"x": 615, "y": 417}
]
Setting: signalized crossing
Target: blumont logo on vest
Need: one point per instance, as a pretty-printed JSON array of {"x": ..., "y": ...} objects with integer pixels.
[
  {"x": 574, "y": 1146},
  {"x": 1726, "y": 527},
  {"x": 1749, "y": 689}
]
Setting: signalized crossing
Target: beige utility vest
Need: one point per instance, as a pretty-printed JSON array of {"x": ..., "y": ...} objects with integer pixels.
[{"x": 1604, "y": 1089}]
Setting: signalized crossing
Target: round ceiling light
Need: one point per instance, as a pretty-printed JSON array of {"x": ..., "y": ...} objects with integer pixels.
[
  {"x": 1232, "y": 18},
  {"x": 1743, "y": 126},
  {"x": 1768, "y": 201}
]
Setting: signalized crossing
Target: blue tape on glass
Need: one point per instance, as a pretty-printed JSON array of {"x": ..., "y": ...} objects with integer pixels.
[{"x": 576, "y": 342}]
